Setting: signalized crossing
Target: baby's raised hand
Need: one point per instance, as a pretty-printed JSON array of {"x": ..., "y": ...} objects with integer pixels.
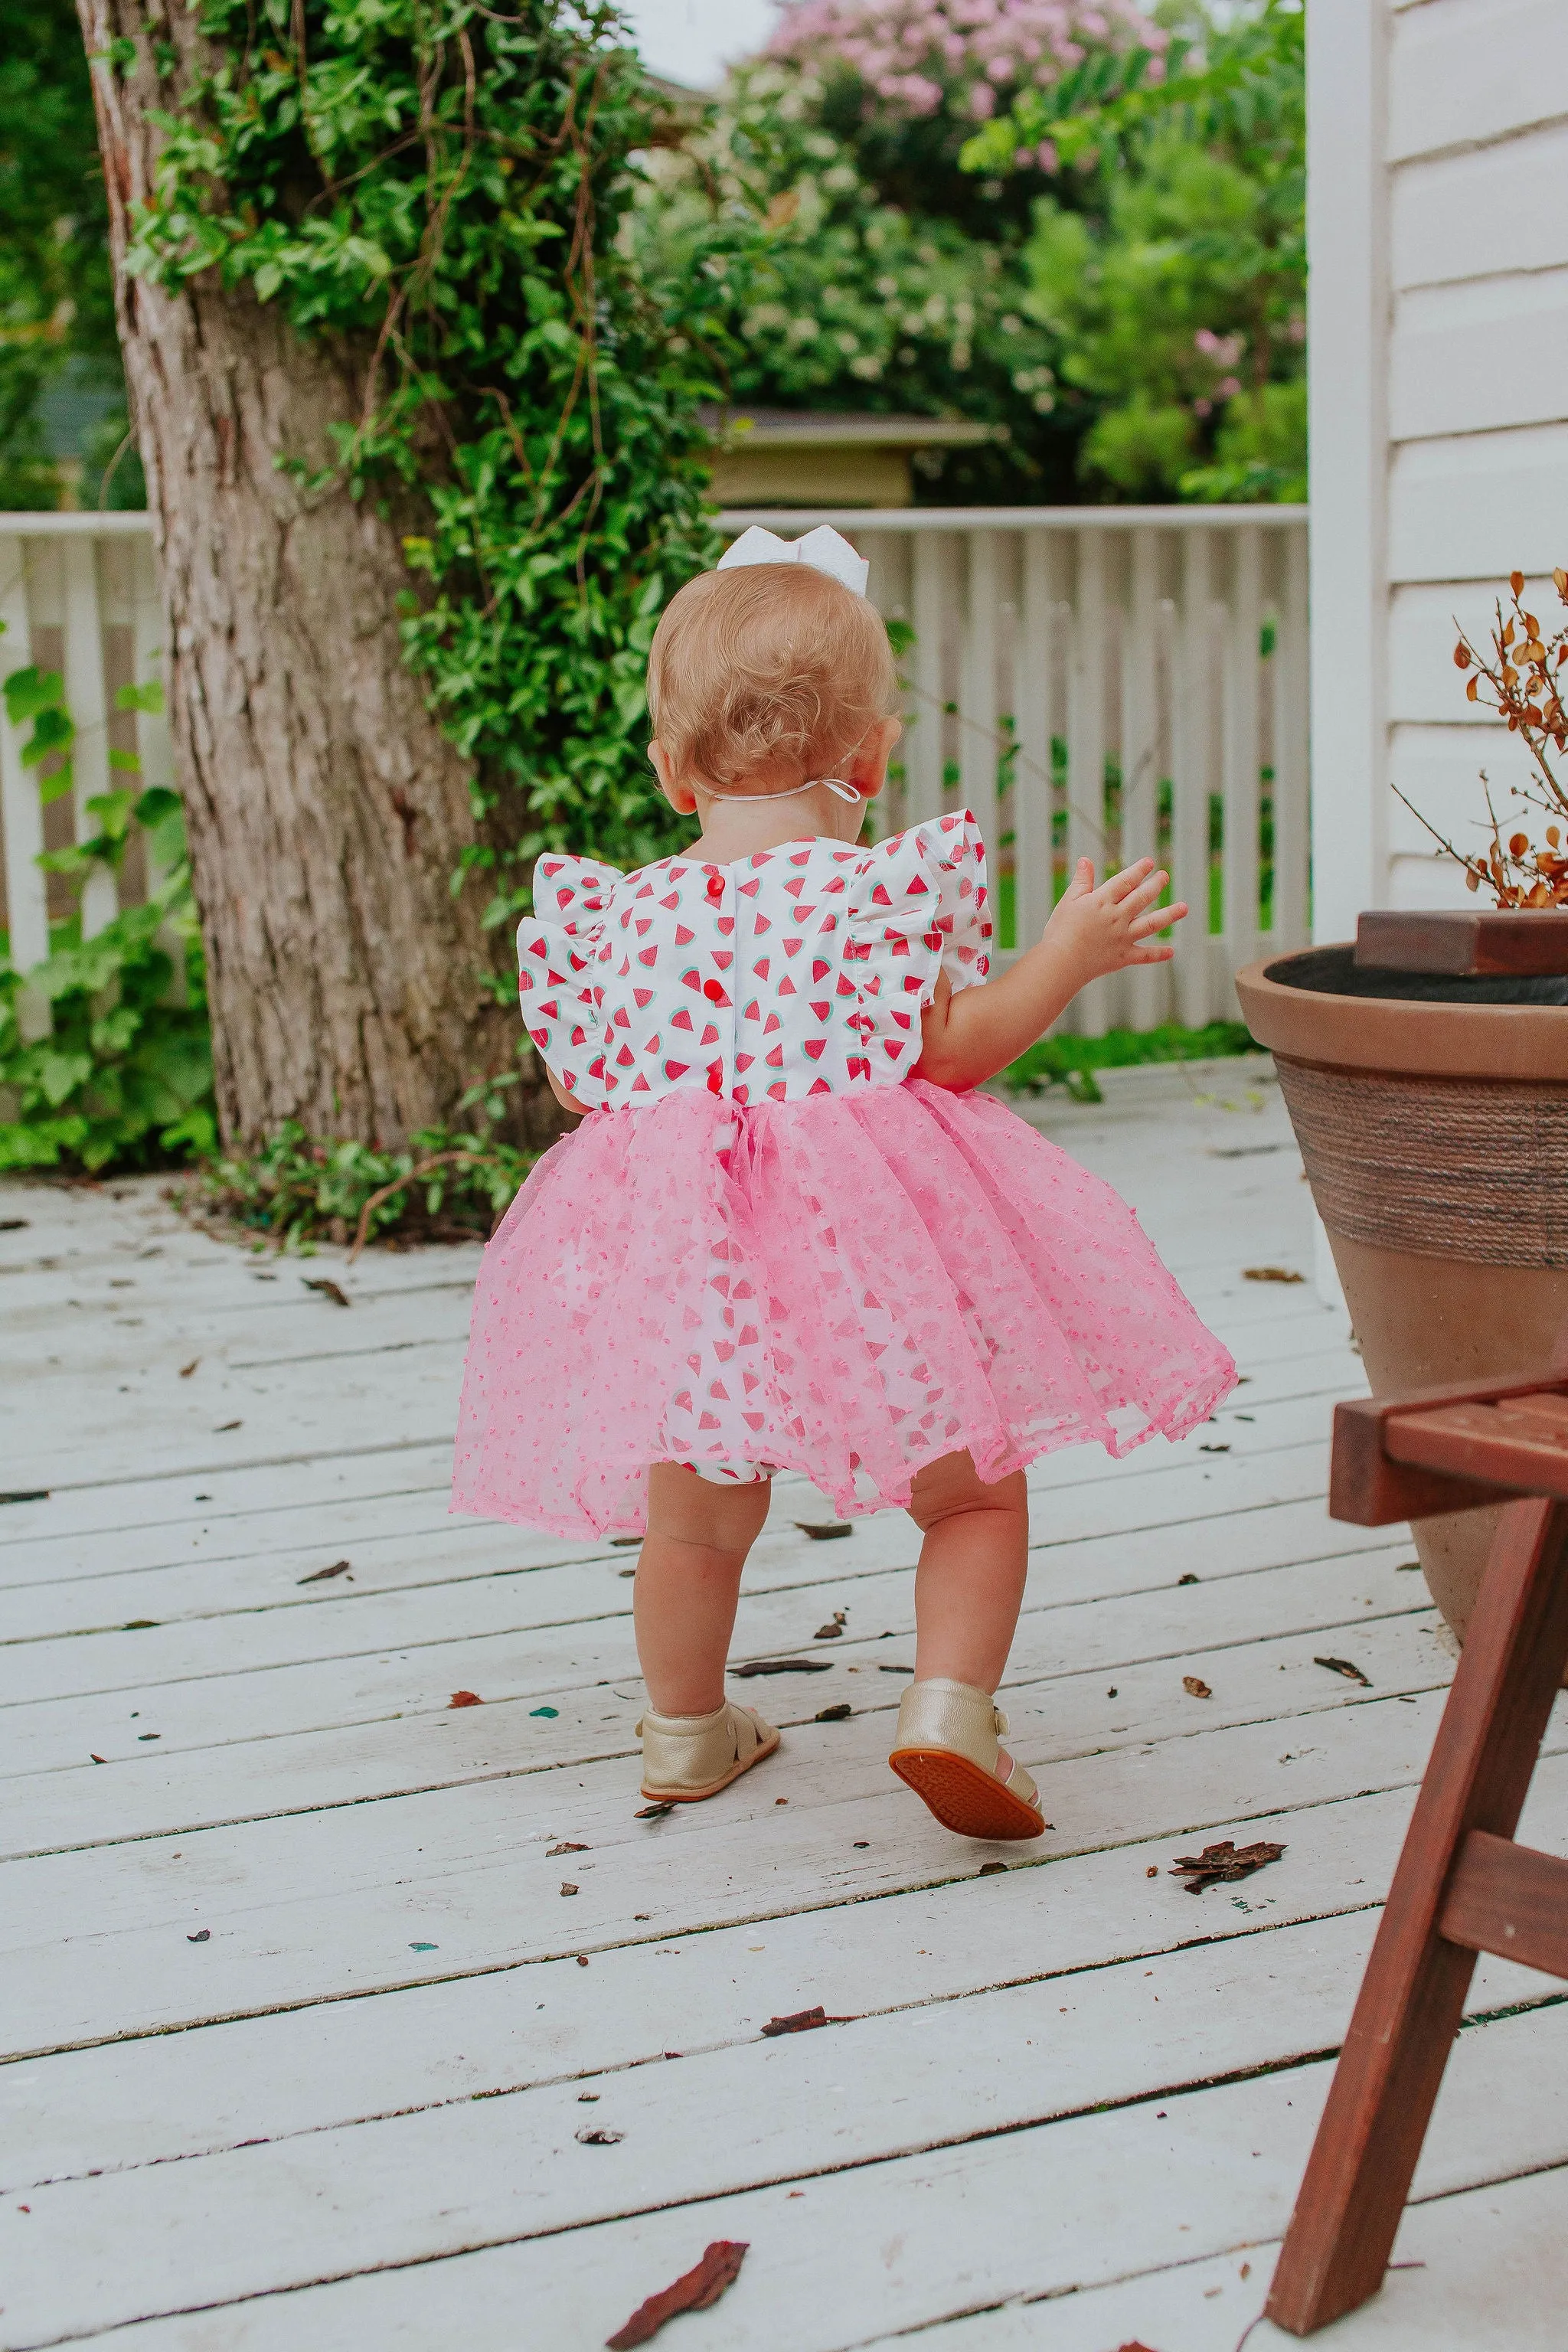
[{"x": 1105, "y": 929}]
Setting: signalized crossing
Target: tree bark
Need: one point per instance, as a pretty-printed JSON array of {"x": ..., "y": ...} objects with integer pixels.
[{"x": 325, "y": 809}]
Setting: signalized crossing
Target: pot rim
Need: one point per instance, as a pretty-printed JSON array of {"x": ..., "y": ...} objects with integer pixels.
[{"x": 1501, "y": 1043}]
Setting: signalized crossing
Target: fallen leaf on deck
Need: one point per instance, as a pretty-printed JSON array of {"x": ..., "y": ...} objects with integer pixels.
[
  {"x": 424, "y": 1948},
  {"x": 1214, "y": 1449},
  {"x": 141, "y": 1625},
  {"x": 1187, "y": 1577},
  {"x": 1407, "y": 1565},
  {"x": 27, "y": 1495},
  {"x": 693, "y": 2291},
  {"x": 201, "y": 1935},
  {"x": 781, "y": 1667},
  {"x": 465, "y": 1698},
  {"x": 567, "y": 1887},
  {"x": 223, "y": 1426},
  {"x": 801, "y": 2021},
  {"x": 13, "y": 1224},
  {"x": 895, "y": 1670},
  {"x": 824, "y": 1532},
  {"x": 654, "y": 1812},
  {"x": 582, "y": 1959},
  {"x": 552, "y": 1712},
  {"x": 328, "y": 1288},
  {"x": 1343, "y": 1666},
  {"x": 97, "y": 1760},
  {"x": 325, "y": 1575},
  {"x": 1196, "y": 1688},
  {"x": 597, "y": 2135},
  {"x": 839, "y": 1714},
  {"x": 186, "y": 1369},
  {"x": 1219, "y": 1866},
  {"x": 834, "y": 1627},
  {"x": 621, "y": 1543},
  {"x": 568, "y": 1845},
  {"x": 1270, "y": 1273},
  {"x": 991, "y": 1869},
  {"x": 1152, "y": 1871}
]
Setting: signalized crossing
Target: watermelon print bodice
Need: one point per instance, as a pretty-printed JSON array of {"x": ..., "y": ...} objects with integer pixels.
[{"x": 801, "y": 970}]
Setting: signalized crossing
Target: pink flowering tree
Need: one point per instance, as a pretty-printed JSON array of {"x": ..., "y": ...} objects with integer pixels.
[{"x": 879, "y": 274}]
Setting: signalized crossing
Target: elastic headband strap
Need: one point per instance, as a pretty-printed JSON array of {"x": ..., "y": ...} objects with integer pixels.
[{"x": 834, "y": 784}]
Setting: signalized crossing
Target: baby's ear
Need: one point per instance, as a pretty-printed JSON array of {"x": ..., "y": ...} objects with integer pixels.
[{"x": 681, "y": 796}]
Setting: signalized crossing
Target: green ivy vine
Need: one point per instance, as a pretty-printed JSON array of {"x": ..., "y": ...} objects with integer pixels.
[
  {"x": 442, "y": 185},
  {"x": 121, "y": 1073}
]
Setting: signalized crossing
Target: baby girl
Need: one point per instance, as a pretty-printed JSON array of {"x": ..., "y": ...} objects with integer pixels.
[{"x": 789, "y": 1233}]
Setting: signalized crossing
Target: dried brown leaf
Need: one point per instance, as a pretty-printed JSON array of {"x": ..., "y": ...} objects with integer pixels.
[
  {"x": 465, "y": 1698},
  {"x": 1343, "y": 1666},
  {"x": 1270, "y": 1273},
  {"x": 328, "y": 1288},
  {"x": 1195, "y": 1688},
  {"x": 693, "y": 2291},
  {"x": 1223, "y": 1863}
]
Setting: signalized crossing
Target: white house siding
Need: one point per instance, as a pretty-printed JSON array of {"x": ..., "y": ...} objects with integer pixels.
[{"x": 1439, "y": 354}]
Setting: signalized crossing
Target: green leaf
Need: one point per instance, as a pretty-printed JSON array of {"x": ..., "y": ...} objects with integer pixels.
[
  {"x": 148, "y": 697},
  {"x": 32, "y": 690}
]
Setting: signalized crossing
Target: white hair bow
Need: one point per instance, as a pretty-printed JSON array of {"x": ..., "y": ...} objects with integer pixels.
[{"x": 822, "y": 549}]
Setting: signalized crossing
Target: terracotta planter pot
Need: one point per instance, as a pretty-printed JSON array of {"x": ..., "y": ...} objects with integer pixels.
[{"x": 1433, "y": 1119}]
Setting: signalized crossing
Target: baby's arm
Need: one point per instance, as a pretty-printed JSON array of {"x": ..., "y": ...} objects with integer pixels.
[
  {"x": 566, "y": 1101},
  {"x": 969, "y": 1035}
]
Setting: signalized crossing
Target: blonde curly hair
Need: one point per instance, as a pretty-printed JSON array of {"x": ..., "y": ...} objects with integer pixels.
[{"x": 773, "y": 674}]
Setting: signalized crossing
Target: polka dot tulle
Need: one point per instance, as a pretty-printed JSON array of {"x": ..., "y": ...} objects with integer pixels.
[{"x": 850, "y": 1286}]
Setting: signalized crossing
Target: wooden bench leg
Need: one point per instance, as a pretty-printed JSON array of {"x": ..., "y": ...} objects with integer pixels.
[{"x": 1412, "y": 1997}]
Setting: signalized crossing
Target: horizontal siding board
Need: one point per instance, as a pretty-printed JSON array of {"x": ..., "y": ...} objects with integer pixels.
[
  {"x": 1473, "y": 507},
  {"x": 1474, "y": 357},
  {"x": 1464, "y": 72},
  {"x": 1461, "y": 215},
  {"x": 1423, "y": 686}
]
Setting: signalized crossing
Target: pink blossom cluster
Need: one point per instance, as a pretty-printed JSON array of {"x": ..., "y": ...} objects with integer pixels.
[{"x": 918, "y": 55}]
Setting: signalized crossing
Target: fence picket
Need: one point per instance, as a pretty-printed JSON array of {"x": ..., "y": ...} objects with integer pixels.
[
  {"x": 89, "y": 702},
  {"x": 21, "y": 817},
  {"x": 1293, "y": 832},
  {"x": 1191, "y": 766},
  {"x": 1098, "y": 1007},
  {"x": 1146, "y": 992},
  {"x": 1033, "y": 670},
  {"x": 1241, "y": 748}
]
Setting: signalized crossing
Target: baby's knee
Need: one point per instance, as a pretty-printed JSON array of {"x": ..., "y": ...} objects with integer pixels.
[
  {"x": 690, "y": 1509},
  {"x": 950, "y": 1488}
]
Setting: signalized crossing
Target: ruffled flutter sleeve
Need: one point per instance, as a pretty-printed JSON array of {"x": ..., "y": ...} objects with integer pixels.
[
  {"x": 557, "y": 950},
  {"x": 923, "y": 907}
]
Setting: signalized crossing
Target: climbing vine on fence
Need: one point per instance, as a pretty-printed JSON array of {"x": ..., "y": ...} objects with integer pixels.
[
  {"x": 439, "y": 185},
  {"x": 104, "y": 1047}
]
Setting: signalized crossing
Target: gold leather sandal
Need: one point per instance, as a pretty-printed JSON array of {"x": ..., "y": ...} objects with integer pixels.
[
  {"x": 686, "y": 1757},
  {"x": 947, "y": 1750}
]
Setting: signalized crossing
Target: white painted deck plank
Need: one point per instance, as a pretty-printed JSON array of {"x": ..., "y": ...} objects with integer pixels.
[
  {"x": 186, "y": 1784},
  {"x": 895, "y": 2246},
  {"x": 505, "y": 2166},
  {"x": 1452, "y": 2254},
  {"x": 346, "y": 1840}
]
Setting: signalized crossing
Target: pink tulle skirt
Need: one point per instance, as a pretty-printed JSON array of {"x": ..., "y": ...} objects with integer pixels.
[{"x": 850, "y": 1287}]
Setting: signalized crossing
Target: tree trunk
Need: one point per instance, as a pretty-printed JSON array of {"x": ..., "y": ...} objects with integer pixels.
[{"x": 325, "y": 809}]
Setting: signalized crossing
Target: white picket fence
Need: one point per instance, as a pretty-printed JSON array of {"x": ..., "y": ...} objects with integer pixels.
[{"x": 1107, "y": 682}]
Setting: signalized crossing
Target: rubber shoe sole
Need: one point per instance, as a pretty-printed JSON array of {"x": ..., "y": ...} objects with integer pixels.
[{"x": 964, "y": 1798}]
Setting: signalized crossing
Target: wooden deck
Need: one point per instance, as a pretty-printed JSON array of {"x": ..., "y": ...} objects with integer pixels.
[{"x": 305, "y": 2019}]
